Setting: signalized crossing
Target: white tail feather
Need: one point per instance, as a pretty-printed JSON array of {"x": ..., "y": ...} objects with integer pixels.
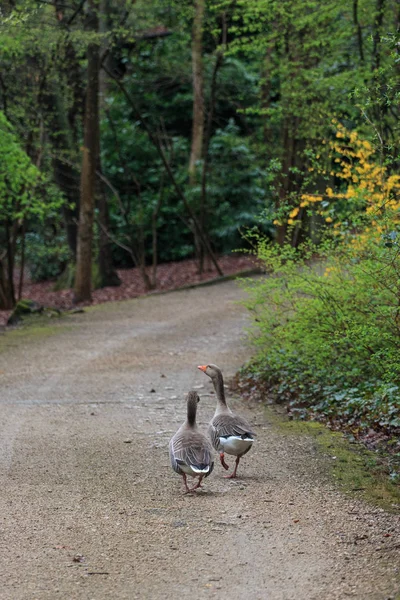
[{"x": 206, "y": 470}]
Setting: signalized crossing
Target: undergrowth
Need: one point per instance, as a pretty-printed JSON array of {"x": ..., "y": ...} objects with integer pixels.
[{"x": 326, "y": 319}]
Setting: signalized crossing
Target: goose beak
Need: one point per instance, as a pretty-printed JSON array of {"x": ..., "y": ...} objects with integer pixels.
[{"x": 202, "y": 368}]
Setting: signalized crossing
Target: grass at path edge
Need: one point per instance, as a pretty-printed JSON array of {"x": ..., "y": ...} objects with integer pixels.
[{"x": 353, "y": 468}]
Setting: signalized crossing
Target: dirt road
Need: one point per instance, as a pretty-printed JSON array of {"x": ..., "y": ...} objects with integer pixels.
[{"x": 90, "y": 508}]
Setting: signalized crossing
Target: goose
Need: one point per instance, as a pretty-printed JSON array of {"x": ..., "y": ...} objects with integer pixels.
[
  {"x": 189, "y": 450},
  {"x": 229, "y": 433}
]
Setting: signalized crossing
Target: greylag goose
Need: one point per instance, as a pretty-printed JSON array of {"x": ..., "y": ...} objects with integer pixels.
[
  {"x": 189, "y": 450},
  {"x": 228, "y": 432}
]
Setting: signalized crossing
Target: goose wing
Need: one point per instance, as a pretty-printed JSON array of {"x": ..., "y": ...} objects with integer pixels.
[
  {"x": 192, "y": 449},
  {"x": 226, "y": 425}
]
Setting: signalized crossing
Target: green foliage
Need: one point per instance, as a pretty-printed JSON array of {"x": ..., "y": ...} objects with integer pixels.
[
  {"x": 18, "y": 178},
  {"x": 319, "y": 61},
  {"x": 235, "y": 198},
  {"x": 23, "y": 202},
  {"x": 24, "y": 190},
  {"x": 46, "y": 256},
  {"x": 139, "y": 176},
  {"x": 25, "y": 193},
  {"x": 288, "y": 68},
  {"x": 328, "y": 331}
]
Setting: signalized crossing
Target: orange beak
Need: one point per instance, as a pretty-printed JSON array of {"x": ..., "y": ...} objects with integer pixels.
[{"x": 203, "y": 368}]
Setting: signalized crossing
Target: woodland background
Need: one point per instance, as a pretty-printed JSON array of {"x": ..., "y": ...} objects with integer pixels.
[{"x": 141, "y": 132}]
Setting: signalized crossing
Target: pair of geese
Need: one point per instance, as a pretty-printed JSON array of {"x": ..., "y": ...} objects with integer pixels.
[{"x": 190, "y": 450}]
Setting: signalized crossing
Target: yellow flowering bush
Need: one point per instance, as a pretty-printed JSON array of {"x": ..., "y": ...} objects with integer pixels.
[
  {"x": 327, "y": 330},
  {"x": 366, "y": 193}
]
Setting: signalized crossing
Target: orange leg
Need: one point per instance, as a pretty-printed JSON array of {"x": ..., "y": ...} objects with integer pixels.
[
  {"x": 233, "y": 474},
  {"x": 198, "y": 484},
  {"x": 194, "y": 488},
  {"x": 185, "y": 482},
  {"x": 222, "y": 459}
]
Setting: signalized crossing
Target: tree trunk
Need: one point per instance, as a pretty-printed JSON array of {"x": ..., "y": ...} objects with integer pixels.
[
  {"x": 107, "y": 273},
  {"x": 198, "y": 111},
  {"x": 83, "y": 275},
  {"x": 376, "y": 34},
  {"x": 203, "y": 202},
  {"x": 211, "y": 109},
  {"x": 198, "y": 89},
  {"x": 7, "y": 292},
  {"x": 22, "y": 262},
  {"x": 7, "y": 297},
  {"x": 358, "y": 30},
  {"x": 154, "y": 232}
]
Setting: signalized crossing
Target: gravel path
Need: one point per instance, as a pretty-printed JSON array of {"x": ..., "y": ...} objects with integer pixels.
[{"x": 90, "y": 508}]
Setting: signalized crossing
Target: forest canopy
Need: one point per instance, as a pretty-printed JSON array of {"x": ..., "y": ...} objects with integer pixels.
[{"x": 165, "y": 129}]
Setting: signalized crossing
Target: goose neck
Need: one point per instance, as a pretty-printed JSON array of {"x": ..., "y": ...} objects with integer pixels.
[
  {"x": 191, "y": 412},
  {"x": 219, "y": 389}
]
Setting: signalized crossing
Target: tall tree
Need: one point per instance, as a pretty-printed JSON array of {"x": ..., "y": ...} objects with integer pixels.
[
  {"x": 107, "y": 274},
  {"x": 198, "y": 89},
  {"x": 83, "y": 275},
  {"x": 219, "y": 57},
  {"x": 196, "y": 152}
]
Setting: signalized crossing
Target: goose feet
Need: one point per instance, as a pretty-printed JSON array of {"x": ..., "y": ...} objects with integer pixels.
[
  {"x": 185, "y": 482},
  {"x": 233, "y": 474},
  {"x": 198, "y": 485},
  {"x": 194, "y": 488},
  {"x": 223, "y": 463}
]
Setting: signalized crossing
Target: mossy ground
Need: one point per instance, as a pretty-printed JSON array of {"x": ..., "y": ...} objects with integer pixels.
[
  {"x": 354, "y": 469},
  {"x": 32, "y": 329}
]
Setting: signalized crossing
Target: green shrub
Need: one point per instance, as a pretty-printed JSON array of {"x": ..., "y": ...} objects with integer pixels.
[
  {"x": 327, "y": 318},
  {"x": 327, "y": 331},
  {"x": 46, "y": 256}
]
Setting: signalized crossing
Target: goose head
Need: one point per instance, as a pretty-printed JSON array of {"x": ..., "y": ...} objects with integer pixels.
[
  {"x": 211, "y": 370},
  {"x": 215, "y": 374},
  {"x": 192, "y": 398}
]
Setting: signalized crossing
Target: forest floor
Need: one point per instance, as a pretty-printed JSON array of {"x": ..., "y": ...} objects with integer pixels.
[
  {"x": 170, "y": 276},
  {"x": 90, "y": 507}
]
